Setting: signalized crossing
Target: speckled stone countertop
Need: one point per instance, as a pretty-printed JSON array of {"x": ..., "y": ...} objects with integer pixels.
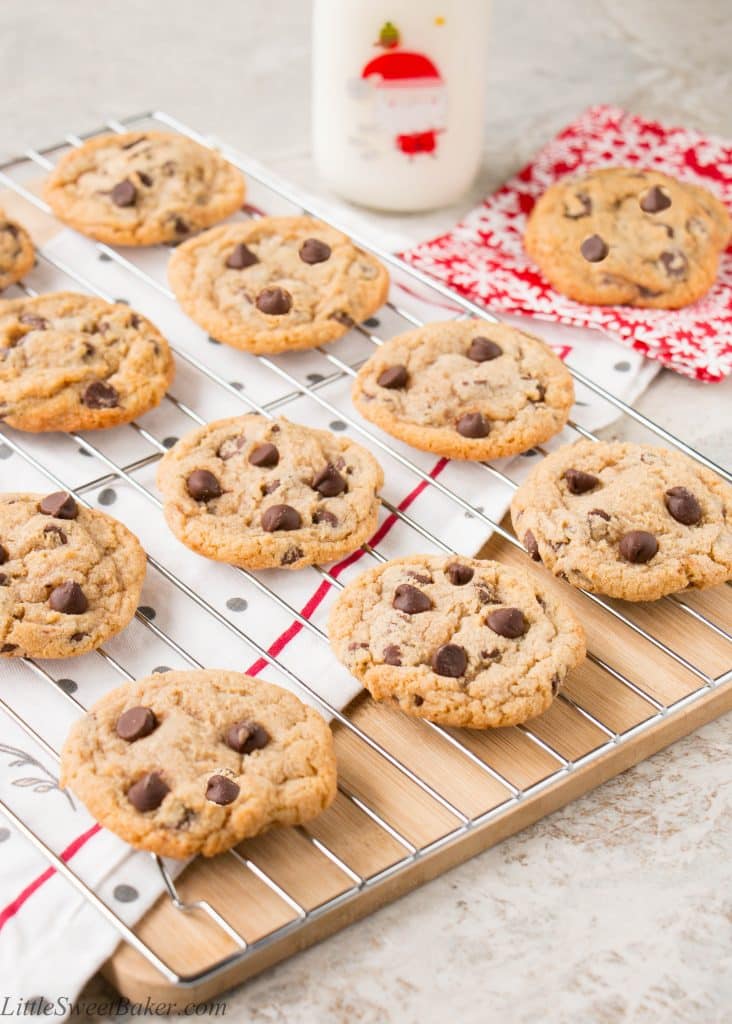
[{"x": 617, "y": 908}]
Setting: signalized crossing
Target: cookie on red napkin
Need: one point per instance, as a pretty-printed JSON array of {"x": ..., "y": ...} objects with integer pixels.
[{"x": 483, "y": 256}]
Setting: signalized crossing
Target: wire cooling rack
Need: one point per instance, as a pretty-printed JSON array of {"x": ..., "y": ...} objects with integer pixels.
[{"x": 290, "y": 387}]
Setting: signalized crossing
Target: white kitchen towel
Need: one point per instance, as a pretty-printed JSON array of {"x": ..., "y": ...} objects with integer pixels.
[{"x": 51, "y": 938}]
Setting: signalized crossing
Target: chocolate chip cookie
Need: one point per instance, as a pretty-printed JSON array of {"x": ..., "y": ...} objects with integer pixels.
[
  {"x": 276, "y": 283},
  {"x": 16, "y": 252},
  {"x": 140, "y": 188},
  {"x": 456, "y": 640},
  {"x": 466, "y": 389},
  {"x": 70, "y": 578},
  {"x": 193, "y": 762},
  {"x": 626, "y": 520},
  {"x": 624, "y": 236},
  {"x": 74, "y": 362},
  {"x": 269, "y": 493}
]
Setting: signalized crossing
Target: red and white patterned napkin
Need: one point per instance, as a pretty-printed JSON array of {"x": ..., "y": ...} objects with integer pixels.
[{"x": 483, "y": 256}]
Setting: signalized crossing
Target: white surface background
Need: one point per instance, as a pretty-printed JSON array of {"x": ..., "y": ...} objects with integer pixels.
[{"x": 617, "y": 908}]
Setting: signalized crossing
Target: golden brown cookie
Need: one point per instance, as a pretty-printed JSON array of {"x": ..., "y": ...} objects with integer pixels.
[
  {"x": 459, "y": 641},
  {"x": 193, "y": 762},
  {"x": 269, "y": 493},
  {"x": 625, "y": 236},
  {"x": 74, "y": 362},
  {"x": 17, "y": 254},
  {"x": 466, "y": 389},
  {"x": 276, "y": 283},
  {"x": 626, "y": 520},
  {"x": 70, "y": 577},
  {"x": 141, "y": 188}
]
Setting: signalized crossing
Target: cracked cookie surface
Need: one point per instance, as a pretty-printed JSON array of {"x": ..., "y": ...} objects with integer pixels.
[
  {"x": 75, "y": 362},
  {"x": 70, "y": 577},
  {"x": 466, "y": 389},
  {"x": 459, "y": 641},
  {"x": 269, "y": 493},
  {"x": 17, "y": 254},
  {"x": 141, "y": 188},
  {"x": 276, "y": 283},
  {"x": 626, "y": 520},
  {"x": 187, "y": 762},
  {"x": 625, "y": 236}
]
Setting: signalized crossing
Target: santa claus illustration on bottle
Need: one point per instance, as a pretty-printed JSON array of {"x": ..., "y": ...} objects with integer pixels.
[{"x": 407, "y": 94}]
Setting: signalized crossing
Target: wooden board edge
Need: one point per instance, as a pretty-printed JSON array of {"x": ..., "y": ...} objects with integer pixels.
[{"x": 119, "y": 970}]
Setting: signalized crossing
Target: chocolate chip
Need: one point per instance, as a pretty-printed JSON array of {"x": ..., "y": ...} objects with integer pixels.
[
  {"x": 230, "y": 447},
  {"x": 486, "y": 595},
  {"x": 683, "y": 506},
  {"x": 100, "y": 395},
  {"x": 265, "y": 455},
  {"x": 291, "y": 556},
  {"x": 68, "y": 598},
  {"x": 392, "y": 655},
  {"x": 135, "y": 723},
  {"x": 472, "y": 424},
  {"x": 540, "y": 393},
  {"x": 556, "y": 683},
  {"x": 60, "y": 505},
  {"x": 246, "y": 736},
  {"x": 329, "y": 482},
  {"x": 270, "y": 487},
  {"x": 53, "y": 531},
  {"x": 418, "y": 701},
  {"x": 594, "y": 249},
  {"x": 579, "y": 482},
  {"x": 459, "y": 574},
  {"x": 280, "y": 517},
  {"x": 419, "y": 577},
  {"x": 313, "y": 250},
  {"x": 145, "y": 178},
  {"x": 124, "y": 193},
  {"x": 203, "y": 485},
  {"x": 674, "y": 263},
  {"x": 36, "y": 323},
  {"x": 323, "y": 515},
  {"x": 76, "y": 637},
  {"x": 341, "y": 317},
  {"x": 410, "y": 600},
  {"x": 531, "y": 546},
  {"x": 638, "y": 546},
  {"x": 654, "y": 201},
  {"x": 508, "y": 622},
  {"x": 450, "y": 660},
  {"x": 274, "y": 301},
  {"x": 241, "y": 257},
  {"x": 180, "y": 226},
  {"x": 7, "y": 648},
  {"x": 601, "y": 513},
  {"x": 482, "y": 350},
  {"x": 4, "y": 556},
  {"x": 148, "y": 792},
  {"x": 583, "y": 209},
  {"x": 393, "y": 377},
  {"x": 221, "y": 790}
]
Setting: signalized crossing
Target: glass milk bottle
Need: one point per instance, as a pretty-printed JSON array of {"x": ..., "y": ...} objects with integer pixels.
[{"x": 398, "y": 98}]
